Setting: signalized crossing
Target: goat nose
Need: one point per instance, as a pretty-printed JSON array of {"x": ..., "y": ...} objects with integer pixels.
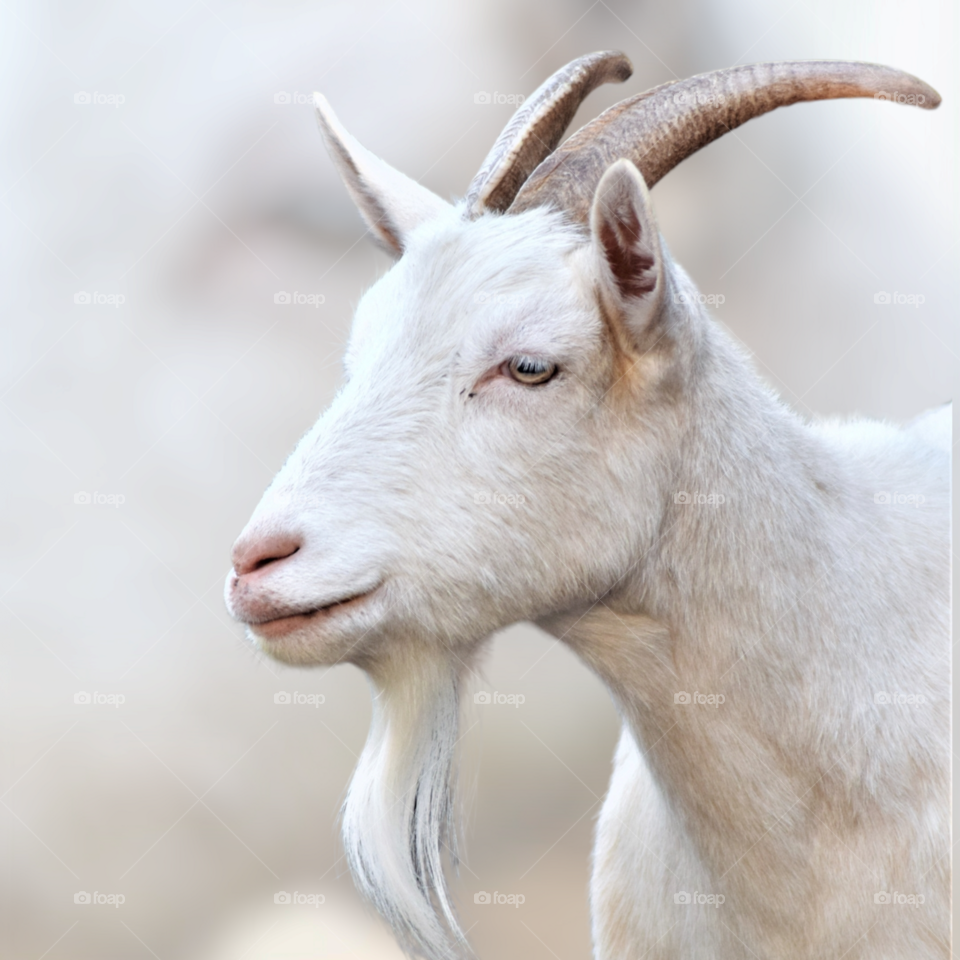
[{"x": 258, "y": 552}]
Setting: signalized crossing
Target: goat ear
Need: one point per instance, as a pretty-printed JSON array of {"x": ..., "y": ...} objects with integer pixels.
[
  {"x": 627, "y": 246},
  {"x": 391, "y": 203}
]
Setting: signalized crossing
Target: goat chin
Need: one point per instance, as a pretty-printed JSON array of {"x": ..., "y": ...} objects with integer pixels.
[{"x": 398, "y": 817}]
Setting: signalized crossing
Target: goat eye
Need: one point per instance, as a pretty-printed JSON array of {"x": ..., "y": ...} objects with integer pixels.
[{"x": 531, "y": 370}]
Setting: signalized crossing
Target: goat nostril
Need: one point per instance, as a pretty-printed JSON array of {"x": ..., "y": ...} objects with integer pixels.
[
  {"x": 261, "y": 552},
  {"x": 266, "y": 560}
]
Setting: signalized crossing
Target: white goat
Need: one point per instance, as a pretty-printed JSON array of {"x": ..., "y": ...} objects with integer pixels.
[{"x": 540, "y": 423}]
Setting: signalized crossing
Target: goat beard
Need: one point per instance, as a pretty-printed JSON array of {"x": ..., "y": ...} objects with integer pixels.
[{"x": 398, "y": 816}]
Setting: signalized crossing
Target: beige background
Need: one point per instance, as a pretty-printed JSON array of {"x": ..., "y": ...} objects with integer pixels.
[{"x": 200, "y": 197}]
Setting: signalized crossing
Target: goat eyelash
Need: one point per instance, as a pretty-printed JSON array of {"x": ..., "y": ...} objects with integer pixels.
[{"x": 531, "y": 371}]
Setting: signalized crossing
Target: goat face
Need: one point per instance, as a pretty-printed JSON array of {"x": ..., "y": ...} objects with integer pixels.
[
  {"x": 465, "y": 475},
  {"x": 446, "y": 492}
]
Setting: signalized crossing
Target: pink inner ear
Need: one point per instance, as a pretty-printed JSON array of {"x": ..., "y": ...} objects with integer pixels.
[{"x": 632, "y": 267}]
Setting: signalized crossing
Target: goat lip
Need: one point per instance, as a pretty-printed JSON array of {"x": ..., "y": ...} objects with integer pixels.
[{"x": 280, "y": 626}]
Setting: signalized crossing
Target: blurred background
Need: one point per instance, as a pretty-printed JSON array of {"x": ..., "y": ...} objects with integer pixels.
[{"x": 162, "y": 179}]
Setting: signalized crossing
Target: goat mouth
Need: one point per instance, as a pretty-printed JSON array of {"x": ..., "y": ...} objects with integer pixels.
[{"x": 281, "y": 626}]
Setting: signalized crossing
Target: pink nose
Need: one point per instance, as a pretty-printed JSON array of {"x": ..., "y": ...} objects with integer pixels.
[{"x": 257, "y": 552}]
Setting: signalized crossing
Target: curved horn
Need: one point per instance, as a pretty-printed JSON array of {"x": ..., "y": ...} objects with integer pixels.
[
  {"x": 659, "y": 128},
  {"x": 536, "y": 128}
]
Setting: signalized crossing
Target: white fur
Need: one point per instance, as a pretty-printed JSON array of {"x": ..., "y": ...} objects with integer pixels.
[
  {"x": 470, "y": 501},
  {"x": 397, "y": 819}
]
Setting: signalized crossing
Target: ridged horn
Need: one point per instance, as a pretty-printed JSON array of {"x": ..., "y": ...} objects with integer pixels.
[
  {"x": 536, "y": 128},
  {"x": 659, "y": 128}
]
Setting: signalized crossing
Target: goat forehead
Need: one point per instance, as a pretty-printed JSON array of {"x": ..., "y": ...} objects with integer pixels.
[
  {"x": 458, "y": 279},
  {"x": 470, "y": 263}
]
